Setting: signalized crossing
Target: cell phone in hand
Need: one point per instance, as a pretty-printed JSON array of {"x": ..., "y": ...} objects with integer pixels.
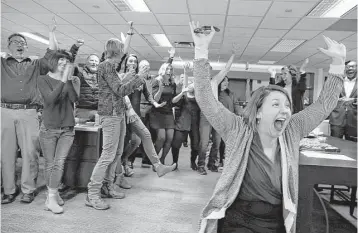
[{"x": 205, "y": 29}]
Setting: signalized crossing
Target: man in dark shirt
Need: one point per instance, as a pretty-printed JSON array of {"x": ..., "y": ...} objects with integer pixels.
[{"x": 87, "y": 105}]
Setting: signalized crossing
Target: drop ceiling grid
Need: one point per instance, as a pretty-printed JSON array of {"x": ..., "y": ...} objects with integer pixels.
[{"x": 250, "y": 23}]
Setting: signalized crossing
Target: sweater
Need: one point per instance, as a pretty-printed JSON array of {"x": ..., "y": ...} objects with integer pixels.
[{"x": 238, "y": 135}]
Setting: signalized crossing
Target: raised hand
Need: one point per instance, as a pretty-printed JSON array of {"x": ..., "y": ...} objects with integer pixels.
[
  {"x": 185, "y": 90},
  {"x": 79, "y": 42},
  {"x": 186, "y": 67},
  {"x": 143, "y": 71},
  {"x": 304, "y": 65},
  {"x": 335, "y": 50},
  {"x": 201, "y": 40},
  {"x": 53, "y": 26},
  {"x": 171, "y": 52},
  {"x": 272, "y": 71}
]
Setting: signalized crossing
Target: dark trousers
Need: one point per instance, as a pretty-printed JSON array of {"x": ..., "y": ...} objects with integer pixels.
[
  {"x": 349, "y": 133},
  {"x": 222, "y": 151},
  {"x": 140, "y": 149},
  {"x": 180, "y": 137}
]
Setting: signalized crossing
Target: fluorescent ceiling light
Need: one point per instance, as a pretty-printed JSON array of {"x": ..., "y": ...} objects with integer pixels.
[
  {"x": 131, "y": 5},
  {"x": 333, "y": 8},
  {"x": 162, "y": 40},
  {"x": 266, "y": 62},
  {"x": 35, "y": 37},
  {"x": 286, "y": 46}
]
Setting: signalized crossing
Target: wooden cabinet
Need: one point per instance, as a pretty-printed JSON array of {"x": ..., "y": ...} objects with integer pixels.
[{"x": 83, "y": 156}]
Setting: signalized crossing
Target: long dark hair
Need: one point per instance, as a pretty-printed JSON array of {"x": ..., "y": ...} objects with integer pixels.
[
  {"x": 227, "y": 90},
  {"x": 125, "y": 62}
]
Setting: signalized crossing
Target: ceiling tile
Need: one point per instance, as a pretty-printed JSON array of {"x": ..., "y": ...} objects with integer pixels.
[
  {"x": 352, "y": 55},
  {"x": 173, "y": 19},
  {"x": 273, "y": 56},
  {"x": 268, "y": 33},
  {"x": 26, "y": 6},
  {"x": 215, "y": 20},
  {"x": 19, "y": 18},
  {"x": 290, "y": 9},
  {"x": 301, "y": 34},
  {"x": 317, "y": 24},
  {"x": 352, "y": 37},
  {"x": 271, "y": 22},
  {"x": 79, "y": 18},
  {"x": 249, "y": 8},
  {"x": 148, "y": 29},
  {"x": 108, "y": 18},
  {"x": 103, "y": 37},
  {"x": 334, "y": 35},
  {"x": 180, "y": 38},
  {"x": 351, "y": 14},
  {"x": 138, "y": 41},
  {"x": 139, "y": 17},
  {"x": 39, "y": 28},
  {"x": 176, "y": 29},
  {"x": 47, "y": 18},
  {"x": 7, "y": 9},
  {"x": 344, "y": 25},
  {"x": 256, "y": 41},
  {"x": 116, "y": 29},
  {"x": 162, "y": 6},
  {"x": 239, "y": 32},
  {"x": 68, "y": 29},
  {"x": 305, "y": 52},
  {"x": 214, "y": 7},
  {"x": 92, "y": 29},
  {"x": 350, "y": 44},
  {"x": 95, "y": 6},
  {"x": 243, "y": 21},
  {"x": 60, "y": 6}
]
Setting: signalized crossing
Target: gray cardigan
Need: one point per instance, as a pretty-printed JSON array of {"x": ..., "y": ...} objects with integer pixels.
[{"x": 238, "y": 138}]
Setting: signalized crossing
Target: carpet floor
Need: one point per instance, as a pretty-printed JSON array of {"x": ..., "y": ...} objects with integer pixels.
[{"x": 171, "y": 204}]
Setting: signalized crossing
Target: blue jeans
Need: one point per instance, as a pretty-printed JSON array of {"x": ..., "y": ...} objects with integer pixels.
[
  {"x": 55, "y": 145},
  {"x": 114, "y": 131},
  {"x": 139, "y": 134},
  {"x": 205, "y": 129}
]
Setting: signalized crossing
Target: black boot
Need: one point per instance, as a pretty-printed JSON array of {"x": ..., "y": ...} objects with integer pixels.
[
  {"x": 194, "y": 155},
  {"x": 175, "y": 152}
]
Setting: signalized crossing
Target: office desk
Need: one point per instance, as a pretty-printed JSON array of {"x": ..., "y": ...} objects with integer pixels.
[
  {"x": 323, "y": 171},
  {"x": 83, "y": 156}
]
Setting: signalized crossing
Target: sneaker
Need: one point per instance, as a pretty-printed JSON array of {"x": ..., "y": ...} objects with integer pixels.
[
  {"x": 128, "y": 172},
  {"x": 202, "y": 171},
  {"x": 213, "y": 168},
  {"x": 108, "y": 191},
  {"x": 194, "y": 166},
  {"x": 98, "y": 203},
  {"x": 121, "y": 182}
]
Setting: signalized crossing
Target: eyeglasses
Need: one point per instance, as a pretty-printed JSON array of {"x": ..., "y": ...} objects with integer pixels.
[
  {"x": 351, "y": 67},
  {"x": 22, "y": 43}
]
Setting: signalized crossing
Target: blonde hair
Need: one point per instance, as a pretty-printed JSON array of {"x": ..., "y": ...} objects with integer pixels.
[
  {"x": 162, "y": 70},
  {"x": 143, "y": 63},
  {"x": 257, "y": 99},
  {"x": 113, "y": 47}
]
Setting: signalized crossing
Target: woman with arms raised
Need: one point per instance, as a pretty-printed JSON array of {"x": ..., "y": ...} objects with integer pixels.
[{"x": 258, "y": 189}]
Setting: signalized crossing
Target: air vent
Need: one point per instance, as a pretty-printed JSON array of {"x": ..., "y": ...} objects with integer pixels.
[{"x": 185, "y": 45}]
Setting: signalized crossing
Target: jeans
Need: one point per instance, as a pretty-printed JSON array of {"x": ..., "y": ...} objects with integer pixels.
[
  {"x": 204, "y": 129},
  {"x": 55, "y": 145},
  {"x": 138, "y": 128},
  {"x": 19, "y": 129},
  {"x": 114, "y": 131}
]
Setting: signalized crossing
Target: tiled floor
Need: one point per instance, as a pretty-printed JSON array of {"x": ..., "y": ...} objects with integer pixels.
[{"x": 170, "y": 204}]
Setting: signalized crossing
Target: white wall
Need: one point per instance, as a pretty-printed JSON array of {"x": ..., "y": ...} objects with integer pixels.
[{"x": 256, "y": 85}]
